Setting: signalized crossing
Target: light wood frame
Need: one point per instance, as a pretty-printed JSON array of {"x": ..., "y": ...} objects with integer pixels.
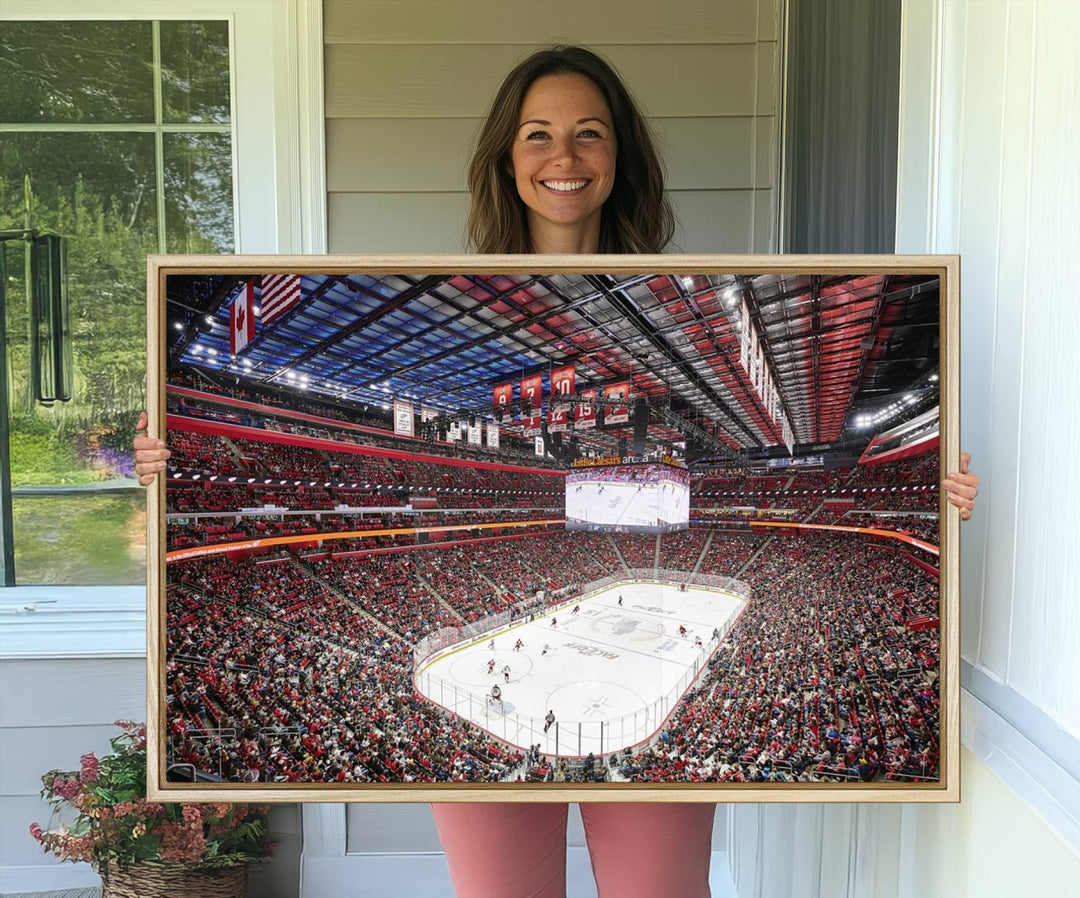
[{"x": 946, "y": 267}]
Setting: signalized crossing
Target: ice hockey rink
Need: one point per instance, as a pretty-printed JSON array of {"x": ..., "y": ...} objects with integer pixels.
[{"x": 624, "y": 665}]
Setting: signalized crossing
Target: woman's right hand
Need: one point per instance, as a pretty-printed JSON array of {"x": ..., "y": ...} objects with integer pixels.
[{"x": 150, "y": 454}]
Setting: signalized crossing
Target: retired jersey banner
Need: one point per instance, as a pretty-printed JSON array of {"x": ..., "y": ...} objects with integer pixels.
[
  {"x": 428, "y": 414},
  {"x": 562, "y": 384},
  {"x": 539, "y": 445},
  {"x": 474, "y": 434},
  {"x": 617, "y": 403},
  {"x": 586, "y": 410},
  {"x": 454, "y": 433},
  {"x": 504, "y": 395},
  {"x": 531, "y": 391},
  {"x": 493, "y": 436},
  {"x": 562, "y": 381},
  {"x": 403, "y": 417}
]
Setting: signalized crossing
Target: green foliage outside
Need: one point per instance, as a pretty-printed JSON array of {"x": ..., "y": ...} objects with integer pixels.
[{"x": 99, "y": 189}]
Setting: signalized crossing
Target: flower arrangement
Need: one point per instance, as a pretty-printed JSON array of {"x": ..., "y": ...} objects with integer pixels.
[{"x": 117, "y": 827}]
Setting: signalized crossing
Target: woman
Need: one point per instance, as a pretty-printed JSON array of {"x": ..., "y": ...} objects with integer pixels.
[{"x": 565, "y": 164}]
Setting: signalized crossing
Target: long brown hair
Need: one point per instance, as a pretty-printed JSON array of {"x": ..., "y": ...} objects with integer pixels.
[{"x": 637, "y": 216}]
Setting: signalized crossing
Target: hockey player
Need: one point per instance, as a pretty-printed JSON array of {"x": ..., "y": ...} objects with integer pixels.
[
  {"x": 518, "y": 645},
  {"x": 506, "y": 673},
  {"x": 491, "y": 666},
  {"x": 620, "y": 599},
  {"x": 577, "y": 608},
  {"x": 682, "y": 631},
  {"x": 544, "y": 652},
  {"x": 491, "y": 645},
  {"x": 549, "y": 719},
  {"x": 698, "y": 642},
  {"x": 553, "y": 621}
]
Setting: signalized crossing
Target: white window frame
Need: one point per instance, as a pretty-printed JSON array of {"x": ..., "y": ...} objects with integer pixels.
[{"x": 279, "y": 200}]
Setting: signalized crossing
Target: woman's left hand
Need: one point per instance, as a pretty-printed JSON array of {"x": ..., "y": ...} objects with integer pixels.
[{"x": 962, "y": 488}]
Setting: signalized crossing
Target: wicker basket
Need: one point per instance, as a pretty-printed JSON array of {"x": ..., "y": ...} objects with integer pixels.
[{"x": 174, "y": 881}]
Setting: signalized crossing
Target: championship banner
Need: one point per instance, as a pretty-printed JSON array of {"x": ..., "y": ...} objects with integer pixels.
[
  {"x": 493, "y": 436},
  {"x": 586, "y": 410},
  {"x": 531, "y": 392},
  {"x": 428, "y": 414},
  {"x": 403, "y": 417},
  {"x": 744, "y": 337},
  {"x": 242, "y": 318},
  {"x": 562, "y": 384},
  {"x": 504, "y": 395},
  {"x": 454, "y": 433},
  {"x": 474, "y": 434},
  {"x": 753, "y": 360},
  {"x": 619, "y": 394}
]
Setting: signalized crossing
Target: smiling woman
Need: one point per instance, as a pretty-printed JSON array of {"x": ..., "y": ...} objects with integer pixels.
[
  {"x": 563, "y": 162},
  {"x": 563, "y": 116}
]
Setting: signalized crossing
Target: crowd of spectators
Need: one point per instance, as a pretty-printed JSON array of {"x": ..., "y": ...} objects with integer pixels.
[{"x": 298, "y": 666}]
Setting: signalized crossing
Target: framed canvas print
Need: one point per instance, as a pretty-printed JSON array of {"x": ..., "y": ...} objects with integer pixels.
[{"x": 585, "y": 528}]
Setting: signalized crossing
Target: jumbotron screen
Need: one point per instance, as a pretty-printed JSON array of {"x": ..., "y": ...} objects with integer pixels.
[{"x": 628, "y": 498}]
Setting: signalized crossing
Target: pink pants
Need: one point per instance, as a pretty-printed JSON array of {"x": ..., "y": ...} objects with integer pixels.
[{"x": 518, "y": 850}]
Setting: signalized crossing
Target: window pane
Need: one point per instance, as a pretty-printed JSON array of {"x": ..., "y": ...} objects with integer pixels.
[
  {"x": 195, "y": 71},
  {"x": 81, "y": 539},
  {"x": 98, "y": 191},
  {"x": 76, "y": 72},
  {"x": 198, "y": 193}
]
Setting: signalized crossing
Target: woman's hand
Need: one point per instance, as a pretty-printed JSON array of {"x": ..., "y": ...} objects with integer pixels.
[
  {"x": 150, "y": 454},
  {"x": 961, "y": 489}
]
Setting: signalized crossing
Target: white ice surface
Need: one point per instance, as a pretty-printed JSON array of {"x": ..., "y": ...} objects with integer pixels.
[{"x": 626, "y": 666}]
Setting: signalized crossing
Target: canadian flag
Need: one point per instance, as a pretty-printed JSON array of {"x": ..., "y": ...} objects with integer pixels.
[{"x": 242, "y": 318}]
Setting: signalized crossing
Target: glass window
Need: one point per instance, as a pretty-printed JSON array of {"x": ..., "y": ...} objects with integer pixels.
[{"x": 117, "y": 136}]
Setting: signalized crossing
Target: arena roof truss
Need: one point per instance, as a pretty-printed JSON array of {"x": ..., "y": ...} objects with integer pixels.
[{"x": 835, "y": 346}]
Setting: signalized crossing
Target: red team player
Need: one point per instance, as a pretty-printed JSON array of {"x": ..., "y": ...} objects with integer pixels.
[
  {"x": 491, "y": 666},
  {"x": 553, "y": 621},
  {"x": 518, "y": 645}
]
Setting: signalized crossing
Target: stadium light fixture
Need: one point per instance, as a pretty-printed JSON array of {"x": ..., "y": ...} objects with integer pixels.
[{"x": 178, "y": 326}]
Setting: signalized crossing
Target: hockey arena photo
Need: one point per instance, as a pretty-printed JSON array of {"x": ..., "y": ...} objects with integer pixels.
[{"x": 552, "y": 529}]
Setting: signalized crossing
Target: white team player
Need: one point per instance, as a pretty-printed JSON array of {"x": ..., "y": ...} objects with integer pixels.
[
  {"x": 544, "y": 652},
  {"x": 506, "y": 673},
  {"x": 491, "y": 645}
]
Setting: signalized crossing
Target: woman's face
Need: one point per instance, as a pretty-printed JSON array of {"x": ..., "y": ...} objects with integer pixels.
[{"x": 563, "y": 157}]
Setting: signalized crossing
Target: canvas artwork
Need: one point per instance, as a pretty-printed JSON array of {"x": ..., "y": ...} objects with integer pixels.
[{"x": 433, "y": 530}]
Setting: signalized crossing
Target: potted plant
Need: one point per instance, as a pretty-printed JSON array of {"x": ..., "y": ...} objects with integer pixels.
[{"x": 141, "y": 847}]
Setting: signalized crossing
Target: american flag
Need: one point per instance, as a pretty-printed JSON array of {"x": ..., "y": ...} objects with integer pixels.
[{"x": 280, "y": 292}]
